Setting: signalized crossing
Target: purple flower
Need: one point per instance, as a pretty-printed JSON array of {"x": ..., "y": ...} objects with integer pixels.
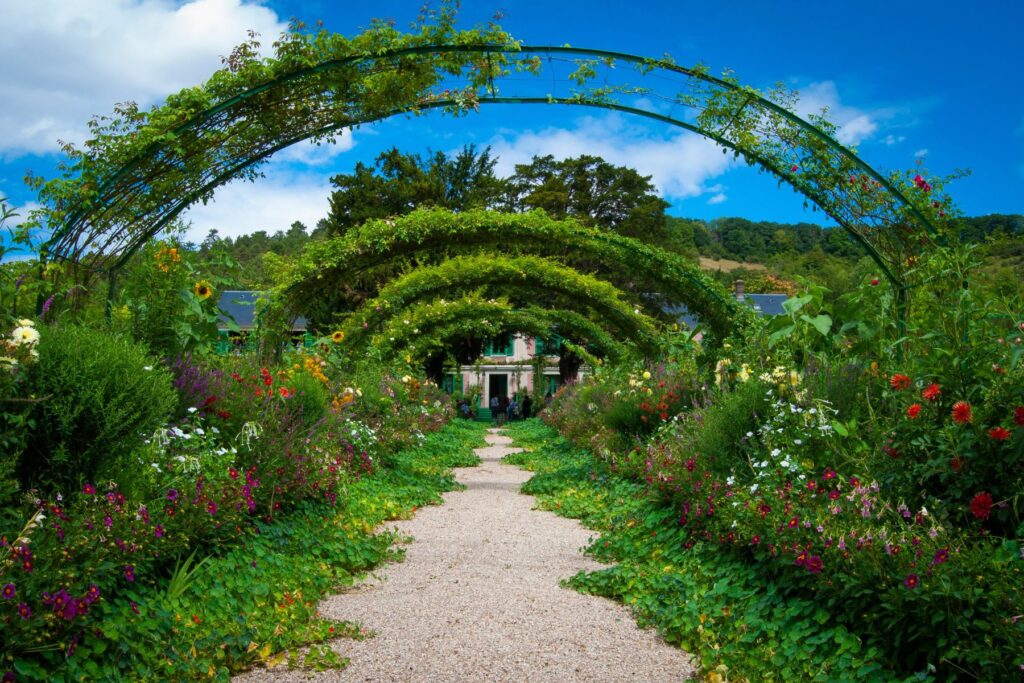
[
  {"x": 8, "y": 677},
  {"x": 211, "y": 507},
  {"x": 46, "y": 305},
  {"x": 107, "y": 521},
  {"x": 24, "y": 611},
  {"x": 93, "y": 594},
  {"x": 8, "y": 592},
  {"x": 159, "y": 531},
  {"x": 172, "y": 495},
  {"x": 129, "y": 572},
  {"x": 941, "y": 556},
  {"x": 89, "y": 490},
  {"x": 17, "y": 285}
]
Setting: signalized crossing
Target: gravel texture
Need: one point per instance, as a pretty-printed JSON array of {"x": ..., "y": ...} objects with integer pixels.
[{"x": 477, "y": 599}]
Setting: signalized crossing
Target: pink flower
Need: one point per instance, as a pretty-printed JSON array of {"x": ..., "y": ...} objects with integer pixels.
[{"x": 911, "y": 581}]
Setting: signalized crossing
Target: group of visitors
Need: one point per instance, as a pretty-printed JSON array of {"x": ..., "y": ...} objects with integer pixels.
[{"x": 505, "y": 408}]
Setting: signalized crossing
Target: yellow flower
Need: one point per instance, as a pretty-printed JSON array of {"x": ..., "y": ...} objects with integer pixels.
[
  {"x": 408, "y": 358},
  {"x": 338, "y": 336},
  {"x": 647, "y": 374},
  {"x": 203, "y": 289}
]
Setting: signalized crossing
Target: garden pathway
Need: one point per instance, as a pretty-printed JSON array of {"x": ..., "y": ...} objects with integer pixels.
[{"x": 477, "y": 599}]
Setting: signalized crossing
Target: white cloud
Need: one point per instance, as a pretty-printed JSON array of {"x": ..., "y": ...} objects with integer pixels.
[
  {"x": 717, "y": 199},
  {"x": 66, "y": 60},
  {"x": 310, "y": 154},
  {"x": 679, "y": 163},
  {"x": 893, "y": 139},
  {"x": 271, "y": 203},
  {"x": 923, "y": 152},
  {"x": 855, "y": 125}
]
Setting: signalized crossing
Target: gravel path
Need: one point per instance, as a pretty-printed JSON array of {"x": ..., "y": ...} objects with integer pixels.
[{"x": 477, "y": 599}]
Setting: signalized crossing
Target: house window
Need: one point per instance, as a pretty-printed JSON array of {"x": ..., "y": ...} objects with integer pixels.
[
  {"x": 500, "y": 346},
  {"x": 452, "y": 384}
]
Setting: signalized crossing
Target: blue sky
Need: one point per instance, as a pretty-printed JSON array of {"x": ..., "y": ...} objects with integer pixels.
[{"x": 936, "y": 81}]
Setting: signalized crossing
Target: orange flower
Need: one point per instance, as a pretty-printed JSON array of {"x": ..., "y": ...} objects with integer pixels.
[{"x": 962, "y": 413}]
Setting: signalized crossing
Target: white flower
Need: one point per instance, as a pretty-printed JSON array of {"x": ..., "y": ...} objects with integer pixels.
[
  {"x": 199, "y": 431},
  {"x": 147, "y": 368},
  {"x": 25, "y": 336},
  {"x": 25, "y": 322},
  {"x": 753, "y": 488},
  {"x": 192, "y": 409},
  {"x": 798, "y": 442},
  {"x": 775, "y": 452}
]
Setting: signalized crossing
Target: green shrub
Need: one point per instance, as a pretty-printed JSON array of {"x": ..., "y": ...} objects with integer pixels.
[
  {"x": 102, "y": 397},
  {"x": 311, "y": 397}
]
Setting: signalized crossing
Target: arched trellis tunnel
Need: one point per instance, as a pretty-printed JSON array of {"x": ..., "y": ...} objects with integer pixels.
[
  {"x": 434, "y": 325},
  {"x": 531, "y": 274},
  {"x": 327, "y": 263},
  {"x": 142, "y": 169}
]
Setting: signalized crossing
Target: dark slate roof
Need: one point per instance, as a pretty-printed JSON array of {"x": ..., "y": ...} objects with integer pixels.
[
  {"x": 241, "y": 306},
  {"x": 768, "y": 304},
  {"x": 764, "y": 304}
]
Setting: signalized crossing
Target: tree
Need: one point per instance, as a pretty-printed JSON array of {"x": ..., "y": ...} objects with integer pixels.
[
  {"x": 397, "y": 183},
  {"x": 594, "y": 191}
]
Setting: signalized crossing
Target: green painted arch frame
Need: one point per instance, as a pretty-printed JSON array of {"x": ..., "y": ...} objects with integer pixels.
[
  {"x": 380, "y": 241},
  {"x": 523, "y": 273},
  {"x": 104, "y": 217}
]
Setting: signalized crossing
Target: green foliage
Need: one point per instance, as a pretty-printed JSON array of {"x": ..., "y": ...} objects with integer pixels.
[{"x": 100, "y": 397}]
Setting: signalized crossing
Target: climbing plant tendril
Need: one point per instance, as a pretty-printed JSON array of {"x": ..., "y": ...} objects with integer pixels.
[
  {"x": 432, "y": 326},
  {"x": 531, "y": 274},
  {"x": 330, "y": 262}
]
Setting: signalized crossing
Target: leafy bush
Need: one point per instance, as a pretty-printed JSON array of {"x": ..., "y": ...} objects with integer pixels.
[{"x": 100, "y": 396}]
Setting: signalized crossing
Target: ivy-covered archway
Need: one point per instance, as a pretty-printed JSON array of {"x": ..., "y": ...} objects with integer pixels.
[
  {"x": 326, "y": 263},
  {"x": 140, "y": 169},
  {"x": 431, "y": 326},
  {"x": 522, "y": 273}
]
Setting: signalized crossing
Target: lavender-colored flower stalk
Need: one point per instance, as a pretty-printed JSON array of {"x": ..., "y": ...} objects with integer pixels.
[{"x": 47, "y": 304}]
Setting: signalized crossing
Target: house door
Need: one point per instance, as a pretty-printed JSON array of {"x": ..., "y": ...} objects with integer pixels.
[{"x": 497, "y": 385}]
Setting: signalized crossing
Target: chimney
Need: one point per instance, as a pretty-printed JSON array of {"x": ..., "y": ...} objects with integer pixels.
[{"x": 739, "y": 290}]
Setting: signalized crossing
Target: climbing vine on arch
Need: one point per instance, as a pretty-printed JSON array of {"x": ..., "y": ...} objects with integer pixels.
[
  {"x": 429, "y": 327},
  {"x": 522, "y": 273},
  {"x": 141, "y": 169},
  {"x": 329, "y": 263}
]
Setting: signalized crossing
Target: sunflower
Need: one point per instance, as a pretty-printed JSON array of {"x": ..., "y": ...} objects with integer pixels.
[
  {"x": 203, "y": 289},
  {"x": 338, "y": 336}
]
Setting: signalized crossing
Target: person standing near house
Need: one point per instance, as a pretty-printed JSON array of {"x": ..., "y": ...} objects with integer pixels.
[
  {"x": 495, "y": 407},
  {"x": 513, "y": 409},
  {"x": 527, "y": 405}
]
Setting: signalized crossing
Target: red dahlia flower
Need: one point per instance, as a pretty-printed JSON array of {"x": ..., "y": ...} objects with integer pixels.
[
  {"x": 913, "y": 411},
  {"x": 962, "y": 412},
  {"x": 981, "y": 505},
  {"x": 999, "y": 433},
  {"x": 899, "y": 382},
  {"x": 931, "y": 392}
]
